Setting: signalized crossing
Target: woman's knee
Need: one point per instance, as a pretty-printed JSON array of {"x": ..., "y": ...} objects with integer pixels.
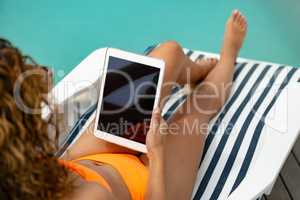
[
  {"x": 168, "y": 50},
  {"x": 173, "y": 48},
  {"x": 171, "y": 52}
]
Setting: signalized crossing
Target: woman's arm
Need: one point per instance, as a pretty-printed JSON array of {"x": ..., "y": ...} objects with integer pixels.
[{"x": 156, "y": 189}]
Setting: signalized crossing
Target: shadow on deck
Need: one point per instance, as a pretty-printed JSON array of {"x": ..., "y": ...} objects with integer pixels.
[{"x": 287, "y": 186}]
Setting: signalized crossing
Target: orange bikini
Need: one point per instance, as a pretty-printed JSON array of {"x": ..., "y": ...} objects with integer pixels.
[{"x": 131, "y": 169}]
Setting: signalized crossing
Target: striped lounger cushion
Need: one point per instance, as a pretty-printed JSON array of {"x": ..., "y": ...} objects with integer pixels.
[{"x": 235, "y": 134}]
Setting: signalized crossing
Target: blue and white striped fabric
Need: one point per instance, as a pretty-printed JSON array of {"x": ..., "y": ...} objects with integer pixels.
[{"x": 235, "y": 134}]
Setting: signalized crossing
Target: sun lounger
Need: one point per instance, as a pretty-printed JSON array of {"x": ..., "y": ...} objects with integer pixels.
[{"x": 248, "y": 141}]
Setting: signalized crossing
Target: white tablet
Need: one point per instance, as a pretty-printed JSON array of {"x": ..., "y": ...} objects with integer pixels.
[{"x": 129, "y": 91}]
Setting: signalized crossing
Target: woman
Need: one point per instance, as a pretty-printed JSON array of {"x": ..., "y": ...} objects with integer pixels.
[{"x": 95, "y": 169}]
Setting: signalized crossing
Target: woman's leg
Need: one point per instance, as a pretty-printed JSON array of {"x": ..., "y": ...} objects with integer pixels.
[
  {"x": 179, "y": 69},
  {"x": 188, "y": 128}
]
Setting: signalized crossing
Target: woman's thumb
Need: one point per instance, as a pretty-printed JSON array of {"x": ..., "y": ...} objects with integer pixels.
[
  {"x": 155, "y": 120},
  {"x": 154, "y": 136}
]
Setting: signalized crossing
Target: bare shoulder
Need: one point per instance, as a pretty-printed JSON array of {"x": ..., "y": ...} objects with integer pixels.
[{"x": 92, "y": 191}]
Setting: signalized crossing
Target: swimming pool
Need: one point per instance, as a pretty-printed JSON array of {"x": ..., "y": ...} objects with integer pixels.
[{"x": 61, "y": 33}]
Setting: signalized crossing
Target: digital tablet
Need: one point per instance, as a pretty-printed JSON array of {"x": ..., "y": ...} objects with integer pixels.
[{"x": 129, "y": 91}]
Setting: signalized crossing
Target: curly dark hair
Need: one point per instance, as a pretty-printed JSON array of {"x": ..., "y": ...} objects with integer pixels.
[{"x": 28, "y": 166}]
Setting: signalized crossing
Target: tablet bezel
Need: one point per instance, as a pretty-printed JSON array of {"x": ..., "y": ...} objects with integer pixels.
[{"x": 153, "y": 62}]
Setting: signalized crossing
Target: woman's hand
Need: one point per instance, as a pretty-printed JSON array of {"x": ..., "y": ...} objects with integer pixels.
[
  {"x": 155, "y": 142},
  {"x": 156, "y": 135}
]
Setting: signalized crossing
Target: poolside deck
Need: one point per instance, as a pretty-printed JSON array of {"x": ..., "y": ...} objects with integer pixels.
[{"x": 287, "y": 186}]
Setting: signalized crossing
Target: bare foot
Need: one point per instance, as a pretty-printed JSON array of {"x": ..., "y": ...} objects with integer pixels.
[
  {"x": 197, "y": 71},
  {"x": 235, "y": 32},
  {"x": 208, "y": 63},
  {"x": 205, "y": 66}
]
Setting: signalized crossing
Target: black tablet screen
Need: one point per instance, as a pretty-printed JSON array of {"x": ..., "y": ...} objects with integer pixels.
[{"x": 128, "y": 99}]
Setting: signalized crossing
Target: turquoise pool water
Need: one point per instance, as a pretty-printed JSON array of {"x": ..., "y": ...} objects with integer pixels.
[{"x": 61, "y": 33}]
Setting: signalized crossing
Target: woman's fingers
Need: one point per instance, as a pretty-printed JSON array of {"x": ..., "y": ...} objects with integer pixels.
[{"x": 157, "y": 132}]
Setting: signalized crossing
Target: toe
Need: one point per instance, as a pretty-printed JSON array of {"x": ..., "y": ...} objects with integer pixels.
[
  {"x": 212, "y": 61},
  {"x": 239, "y": 19},
  {"x": 215, "y": 61},
  {"x": 199, "y": 60},
  {"x": 243, "y": 22},
  {"x": 207, "y": 60},
  {"x": 242, "y": 19},
  {"x": 235, "y": 14}
]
